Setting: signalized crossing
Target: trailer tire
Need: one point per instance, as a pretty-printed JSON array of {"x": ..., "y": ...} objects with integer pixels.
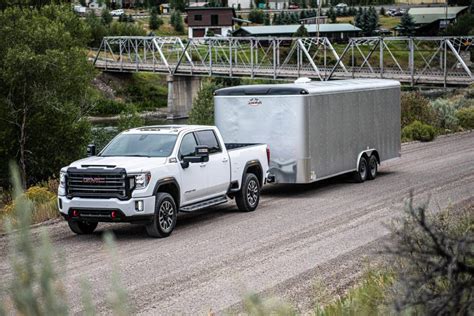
[
  {"x": 361, "y": 174},
  {"x": 249, "y": 195},
  {"x": 165, "y": 217},
  {"x": 82, "y": 228},
  {"x": 372, "y": 168}
]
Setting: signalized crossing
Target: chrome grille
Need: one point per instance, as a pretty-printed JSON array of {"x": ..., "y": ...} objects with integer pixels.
[{"x": 97, "y": 183}]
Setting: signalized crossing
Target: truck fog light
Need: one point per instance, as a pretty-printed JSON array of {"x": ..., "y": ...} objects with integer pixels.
[{"x": 139, "y": 206}]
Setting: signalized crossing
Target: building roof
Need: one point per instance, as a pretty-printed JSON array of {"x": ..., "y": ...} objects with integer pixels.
[
  {"x": 209, "y": 9},
  {"x": 430, "y": 15},
  {"x": 290, "y": 29}
]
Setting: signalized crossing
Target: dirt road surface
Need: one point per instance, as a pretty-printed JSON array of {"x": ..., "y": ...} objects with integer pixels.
[{"x": 300, "y": 235}]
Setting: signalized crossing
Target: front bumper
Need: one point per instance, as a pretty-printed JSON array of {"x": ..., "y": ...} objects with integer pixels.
[{"x": 101, "y": 210}]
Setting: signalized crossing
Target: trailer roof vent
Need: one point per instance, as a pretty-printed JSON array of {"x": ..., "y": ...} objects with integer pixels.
[{"x": 303, "y": 80}]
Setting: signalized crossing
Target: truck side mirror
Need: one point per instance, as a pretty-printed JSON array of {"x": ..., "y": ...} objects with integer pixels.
[
  {"x": 90, "y": 150},
  {"x": 201, "y": 154}
]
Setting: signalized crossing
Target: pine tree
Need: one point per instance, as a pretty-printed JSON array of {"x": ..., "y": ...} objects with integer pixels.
[
  {"x": 155, "y": 22},
  {"x": 266, "y": 19},
  {"x": 372, "y": 21},
  {"x": 301, "y": 32},
  {"x": 332, "y": 15},
  {"x": 407, "y": 25},
  {"x": 358, "y": 20}
]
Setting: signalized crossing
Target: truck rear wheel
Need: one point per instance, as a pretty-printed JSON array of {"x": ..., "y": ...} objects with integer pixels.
[
  {"x": 361, "y": 174},
  {"x": 166, "y": 215},
  {"x": 82, "y": 228},
  {"x": 372, "y": 168},
  {"x": 249, "y": 195}
]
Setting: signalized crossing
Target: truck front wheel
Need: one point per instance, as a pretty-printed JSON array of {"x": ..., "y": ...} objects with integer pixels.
[
  {"x": 165, "y": 216},
  {"x": 249, "y": 195},
  {"x": 82, "y": 228}
]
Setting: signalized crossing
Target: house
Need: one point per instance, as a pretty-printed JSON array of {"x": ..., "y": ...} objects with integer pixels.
[
  {"x": 429, "y": 21},
  {"x": 201, "y": 20},
  {"x": 336, "y": 32}
]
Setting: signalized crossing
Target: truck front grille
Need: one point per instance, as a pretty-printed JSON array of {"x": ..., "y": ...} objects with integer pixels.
[{"x": 98, "y": 183}]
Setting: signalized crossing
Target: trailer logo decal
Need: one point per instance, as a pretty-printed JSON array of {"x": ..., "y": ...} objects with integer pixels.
[{"x": 254, "y": 102}]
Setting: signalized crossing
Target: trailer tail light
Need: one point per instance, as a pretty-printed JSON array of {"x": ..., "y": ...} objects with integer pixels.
[{"x": 268, "y": 155}]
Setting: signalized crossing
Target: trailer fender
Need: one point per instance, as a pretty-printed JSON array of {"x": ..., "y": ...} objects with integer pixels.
[{"x": 367, "y": 153}]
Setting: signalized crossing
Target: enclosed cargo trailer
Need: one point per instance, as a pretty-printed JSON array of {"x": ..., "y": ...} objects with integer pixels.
[{"x": 315, "y": 130}]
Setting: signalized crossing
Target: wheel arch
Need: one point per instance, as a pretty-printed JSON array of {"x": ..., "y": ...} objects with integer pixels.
[
  {"x": 170, "y": 186},
  {"x": 255, "y": 167},
  {"x": 366, "y": 154}
]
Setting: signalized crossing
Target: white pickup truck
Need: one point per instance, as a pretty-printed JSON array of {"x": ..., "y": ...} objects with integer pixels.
[{"x": 147, "y": 175}]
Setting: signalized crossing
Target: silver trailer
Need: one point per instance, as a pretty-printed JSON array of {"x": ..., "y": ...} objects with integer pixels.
[{"x": 315, "y": 130}]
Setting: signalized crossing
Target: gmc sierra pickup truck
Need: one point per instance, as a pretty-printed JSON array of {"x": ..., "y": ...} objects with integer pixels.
[{"x": 147, "y": 175}]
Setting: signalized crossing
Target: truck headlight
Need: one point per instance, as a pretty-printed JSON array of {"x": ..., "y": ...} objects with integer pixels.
[
  {"x": 142, "y": 180},
  {"x": 62, "y": 179}
]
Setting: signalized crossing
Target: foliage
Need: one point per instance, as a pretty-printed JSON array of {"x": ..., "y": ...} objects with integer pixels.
[
  {"x": 202, "y": 112},
  {"x": 416, "y": 107},
  {"x": 178, "y": 5},
  {"x": 331, "y": 13},
  {"x": 418, "y": 131},
  {"x": 266, "y": 19},
  {"x": 301, "y": 31},
  {"x": 370, "y": 297},
  {"x": 147, "y": 91},
  {"x": 465, "y": 117},
  {"x": 254, "y": 305},
  {"x": 36, "y": 287},
  {"x": 106, "y": 17},
  {"x": 367, "y": 20},
  {"x": 130, "y": 119},
  {"x": 382, "y": 11},
  {"x": 177, "y": 21},
  {"x": 256, "y": 16},
  {"x": 155, "y": 22},
  {"x": 105, "y": 106},
  {"x": 44, "y": 81},
  {"x": 434, "y": 260},
  {"x": 445, "y": 114},
  {"x": 101, "y": 136},
  {"x": 464, "y": 25},
  {"x": 407, "y": 25}
]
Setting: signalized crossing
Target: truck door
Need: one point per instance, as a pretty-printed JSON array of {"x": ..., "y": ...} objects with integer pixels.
[
  {"x": 218, "y": 172},
  {"x": 193, "y": 178}
]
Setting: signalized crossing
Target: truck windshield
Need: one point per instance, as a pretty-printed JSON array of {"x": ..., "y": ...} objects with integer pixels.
[{"x": 140, "y": 145}]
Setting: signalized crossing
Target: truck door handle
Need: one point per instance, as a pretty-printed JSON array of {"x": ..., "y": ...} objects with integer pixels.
[
  {"x": 225, "y": 160},
  {"x": 203, "y": 165}
]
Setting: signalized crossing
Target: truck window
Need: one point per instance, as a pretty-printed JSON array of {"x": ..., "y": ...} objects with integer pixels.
[
  {"x": 209, "y": 139},
  {"x": 188, "y": 146},
  {"x": 140, "y": 145}
]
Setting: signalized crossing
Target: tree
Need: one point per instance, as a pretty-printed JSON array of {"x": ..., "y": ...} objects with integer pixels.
[
  {"x": 106, "y": 17},
  {"x": 256, "y": 16},
  {"x": 177, "y": 21},
  {"x": 44, "y": 86},
  {"x": 407, "y": 25},
  {"x": 358, "y": 20},
  {"x": 178, "y": 5},
  {"x": 382, "y": 11},
  {"x": 155, "y": 22},
  {"x": 266, "y": 19},
  {"x": 372, "y": 21},
  {"x": 202, "y": 112},
  {"x": 464, "y": 25},
  {"x": 332, "y": 15},
  {"x": 301, "y": 32}
]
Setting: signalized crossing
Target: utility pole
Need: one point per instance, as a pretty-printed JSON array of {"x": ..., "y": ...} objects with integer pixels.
[{"x": 318, "y": 17}]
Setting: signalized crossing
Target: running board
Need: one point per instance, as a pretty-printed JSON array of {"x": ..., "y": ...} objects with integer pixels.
[{"x": 203, "y": 204}]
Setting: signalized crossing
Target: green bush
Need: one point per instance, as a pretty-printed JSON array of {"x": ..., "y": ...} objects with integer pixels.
[
  {"x": 418, "y": 131},
  {"x": 108, "y": 107},
  {"x": 256, "y": 16},
  {"x": 465, "y": 117},
  {"x": 416, "y": 107},
  {"x": 202, "y": 112},
  {"x": 130, "y": 119},
  {"x": 445, "y": 114},
  {"x": 101, "y": 136}
]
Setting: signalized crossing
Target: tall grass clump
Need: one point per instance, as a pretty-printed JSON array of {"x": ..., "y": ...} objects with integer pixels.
[
  {"x": 256, "y": 306},
  {"x": 35, "y": 286}
]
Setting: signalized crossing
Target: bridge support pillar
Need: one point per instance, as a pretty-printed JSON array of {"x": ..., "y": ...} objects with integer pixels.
[{"x": 181, "y": 92}]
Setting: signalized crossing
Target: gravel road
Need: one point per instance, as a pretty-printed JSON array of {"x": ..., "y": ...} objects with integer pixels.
[{"x": 299, "y": 236}]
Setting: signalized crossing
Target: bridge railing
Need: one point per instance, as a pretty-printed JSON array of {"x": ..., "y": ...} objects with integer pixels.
[{"x": 409, "y": 59}]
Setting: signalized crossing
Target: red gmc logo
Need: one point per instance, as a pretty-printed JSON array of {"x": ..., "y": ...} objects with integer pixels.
[{"x": 93, "y": 180}]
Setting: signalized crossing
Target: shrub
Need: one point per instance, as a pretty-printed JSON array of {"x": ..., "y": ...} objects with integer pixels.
[
  {"x": 129, "y": 119},
  {"x": 465, "y": 117},
  {"x": 418, "y": 131},
  {"x": 445, "y": 114},
  {"x": 155, "y": 22},
  {"x": 101, "y": 136},
  {"x": 108, "y": 107},
  {"x": 177, "y": 21},
  {"x": 416, "y": 107},
  {"x": 202, "y": 112},
  {"x": 256, "y": 16}
]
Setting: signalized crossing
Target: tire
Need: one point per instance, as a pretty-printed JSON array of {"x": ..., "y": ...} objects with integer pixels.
[
  {"x": 82, "y": 228},
  {"x": 166, "y": 215},
  {"x": 361, "y": 174},
  {"x": 372, "y": 168},
  {"x": 249, "y": 195}
]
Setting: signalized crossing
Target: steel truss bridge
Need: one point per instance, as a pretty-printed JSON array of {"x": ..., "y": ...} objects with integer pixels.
[{"x": 414, "y": 60}]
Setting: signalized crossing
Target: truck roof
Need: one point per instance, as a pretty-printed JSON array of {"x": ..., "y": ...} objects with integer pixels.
[
  {"x": 164, "y": 129},
  {"x": 311, "y": 88}
]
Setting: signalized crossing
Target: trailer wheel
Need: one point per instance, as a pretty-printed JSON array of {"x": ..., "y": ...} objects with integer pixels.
[
  {"x": 82, "y": 228},
  {"x": 165, "y": 216},
  {"x": 361, "y": 174},
  {"x": 249, "y": 195},
  {"x": 373, "y": 168}
]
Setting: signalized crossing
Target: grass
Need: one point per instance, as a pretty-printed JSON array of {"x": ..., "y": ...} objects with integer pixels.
[{"x": 386, "y": 22}]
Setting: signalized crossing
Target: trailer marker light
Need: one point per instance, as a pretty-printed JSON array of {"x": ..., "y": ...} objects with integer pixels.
[{"x": 75, "y": 213}]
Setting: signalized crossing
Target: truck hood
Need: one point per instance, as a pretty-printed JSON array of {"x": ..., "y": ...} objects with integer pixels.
[{"x": 131, "y": 164}]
